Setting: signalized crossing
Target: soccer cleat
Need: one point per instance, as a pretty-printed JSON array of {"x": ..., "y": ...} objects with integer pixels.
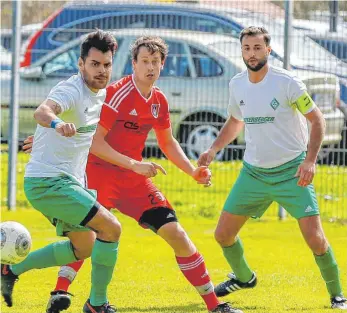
[
  {"x": 8, "y": 279},
  {"x": 105, "y": 308},
  {"x": 225, "y": 308},
  {"x": 233, "y": 284},
  {"x": 60, "y": 300},
  {"x": 339, "y": 303}
]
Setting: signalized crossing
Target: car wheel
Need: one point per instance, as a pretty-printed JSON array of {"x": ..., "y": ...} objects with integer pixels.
[{"x": 198, "y": 133}]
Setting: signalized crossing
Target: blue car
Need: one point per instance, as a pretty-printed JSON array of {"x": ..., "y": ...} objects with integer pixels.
[{"x": 74, "y": 20}]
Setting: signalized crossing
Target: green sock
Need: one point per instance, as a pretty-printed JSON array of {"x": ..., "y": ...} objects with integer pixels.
[
  {"x": 330, "y": 272},
  {"x": 55, "y": 254},
  {"x": 104, "y": 257},
  {"x": 235, "y": 257}
]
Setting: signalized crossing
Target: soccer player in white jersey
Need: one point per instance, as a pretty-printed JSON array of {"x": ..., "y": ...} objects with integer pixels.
[
  {"x": 279, "y": 161},
  {"x": 54, "y": 177}
]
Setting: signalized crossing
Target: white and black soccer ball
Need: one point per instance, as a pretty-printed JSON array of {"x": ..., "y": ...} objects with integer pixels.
[{"x": 15, "y": 242}]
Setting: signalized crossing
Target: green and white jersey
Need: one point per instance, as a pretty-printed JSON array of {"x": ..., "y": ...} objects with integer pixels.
[
  {"x": 275, "y": 129},
  {"x": 52, "y": 154}
]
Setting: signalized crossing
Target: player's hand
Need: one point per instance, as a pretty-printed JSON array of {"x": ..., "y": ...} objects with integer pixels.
[
  {"x": 203, "y": 176},
  {"x": 305, "y": 172},
  {"x": 206, "y": 157},
  {"x": 148, "y": 169},
  {"x": 28, "y": 144},
  {"x": 66, "y": 129}
]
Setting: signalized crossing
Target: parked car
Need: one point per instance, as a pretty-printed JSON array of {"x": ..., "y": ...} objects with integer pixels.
[
  {"x": 334, "y": 42},
  {"x": 195, "y": 80},
  {"x": 75, "y": 19},
  {"x": 6, "y": 35}
]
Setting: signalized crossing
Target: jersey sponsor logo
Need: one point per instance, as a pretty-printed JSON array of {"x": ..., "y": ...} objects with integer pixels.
[
  {"x": 87, "y": 129},
  {"x": 242, "y": 102},
  {"x": 131, "y": 125},
  {"x": 155, "y": 110},
  {"x": 274, "y": 103},
  {"x": 139, "y": 128},
  {"x": 133, "y": 112},
  {"x": 259, "y": 120}
]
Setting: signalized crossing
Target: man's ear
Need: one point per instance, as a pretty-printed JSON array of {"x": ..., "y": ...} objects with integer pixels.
[
  {"x": 269, "y": 50},
  {"x": 80, "y": 63}
]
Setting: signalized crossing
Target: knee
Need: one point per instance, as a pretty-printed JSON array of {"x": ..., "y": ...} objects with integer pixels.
[
  {"x": 224, "y": 238},
  {"x": 111, "y": 231},
  {"x": 178, "y": 235}
]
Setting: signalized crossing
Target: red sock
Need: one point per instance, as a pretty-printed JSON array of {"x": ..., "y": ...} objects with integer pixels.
[
  {"x": 67, "y": 274},
  {"x": 194, "y": 269}
]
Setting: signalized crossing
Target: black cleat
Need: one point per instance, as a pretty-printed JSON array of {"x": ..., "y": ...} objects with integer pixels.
[
  {"x": 225, "y": 308},
  {"x": 60, "y": 300},
  {"x": 339, "y": 303},
  {"x": 8, "y": 279},
  {"x": 233, "y": 284},
  {"x": 105, "y": 308}
]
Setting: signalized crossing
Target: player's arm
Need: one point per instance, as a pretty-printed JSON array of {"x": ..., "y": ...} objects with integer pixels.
[
  {"x": 46, "y": 112},
  {"x": 317, "y": 122},
  {"x": 46, "y": 116},
  {"x": 227, "y": 134},
  {"x": 173, "y": 151},
  {"x": 315, "y": 117},
  {"x": 104, "y": 151}
]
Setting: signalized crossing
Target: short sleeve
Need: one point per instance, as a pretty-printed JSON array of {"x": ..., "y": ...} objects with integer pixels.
[
  {"x": 163, "y": 121},
  {"x": 299, "y": 97},
  {"x": 65, "y": 94},
  {"x": 107, "y": 117},
  {"x": 233, "y": 107}
]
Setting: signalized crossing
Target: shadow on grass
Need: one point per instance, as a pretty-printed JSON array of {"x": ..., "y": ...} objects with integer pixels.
[
  {"x": 171, "y": 309},
  {"x": 184, "y": 308}
]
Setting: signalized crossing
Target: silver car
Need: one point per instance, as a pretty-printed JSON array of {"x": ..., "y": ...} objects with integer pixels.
[{"x": 195, "y": 80}]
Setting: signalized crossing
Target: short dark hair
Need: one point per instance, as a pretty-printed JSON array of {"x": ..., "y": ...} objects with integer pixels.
[
  {"x": 255, "y": 31},
  {"x": 152, "y": 43},
  {"x": 101, "y": 40}
]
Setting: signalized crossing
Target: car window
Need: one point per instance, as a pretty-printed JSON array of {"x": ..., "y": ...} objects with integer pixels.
[
  {"x": 205, "y": 66},
  {"x": 65, "y": 64},
  {"x": 176, "y": 63}
]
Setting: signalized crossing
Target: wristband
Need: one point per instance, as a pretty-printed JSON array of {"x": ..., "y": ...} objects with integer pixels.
[{"x": 55, "y": 122}]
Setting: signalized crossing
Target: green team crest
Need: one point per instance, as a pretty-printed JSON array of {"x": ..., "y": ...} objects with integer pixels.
[{"x": 274, "y": 103}]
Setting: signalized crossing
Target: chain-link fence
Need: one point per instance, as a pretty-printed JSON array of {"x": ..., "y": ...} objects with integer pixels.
[{"x": 204, "y": 53}]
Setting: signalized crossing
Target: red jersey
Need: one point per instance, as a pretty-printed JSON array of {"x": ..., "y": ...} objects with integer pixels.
[{"x": 129, "y": 117}]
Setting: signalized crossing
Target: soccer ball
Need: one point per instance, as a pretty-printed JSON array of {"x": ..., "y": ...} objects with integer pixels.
[{"x": 15, "y": 242}]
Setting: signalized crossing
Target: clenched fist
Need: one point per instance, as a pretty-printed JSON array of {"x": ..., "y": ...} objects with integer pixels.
[
  {"x": 66, "y": 129},
  {"x": 206, "y": 157}
]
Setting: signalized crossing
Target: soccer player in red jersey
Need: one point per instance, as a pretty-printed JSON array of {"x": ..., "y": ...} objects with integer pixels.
[{"x": 115, "y": 169}]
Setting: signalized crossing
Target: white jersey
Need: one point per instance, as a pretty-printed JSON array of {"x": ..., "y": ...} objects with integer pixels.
[
  {"x": 275, "y": 130},
  {"x": 52, "y": 154}
]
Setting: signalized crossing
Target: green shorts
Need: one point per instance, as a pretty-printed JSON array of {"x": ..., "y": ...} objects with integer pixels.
[
  {"x": 63, "y": 200},
  {"x": 256, "y": 188}
]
